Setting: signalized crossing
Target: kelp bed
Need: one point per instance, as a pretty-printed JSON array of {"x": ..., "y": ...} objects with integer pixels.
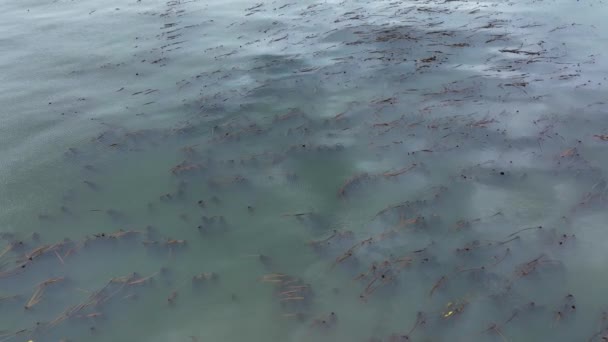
[{"x": 339, "y": 171}]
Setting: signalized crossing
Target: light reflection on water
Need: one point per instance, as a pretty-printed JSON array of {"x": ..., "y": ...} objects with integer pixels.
[{"x": 350, "y": 171}]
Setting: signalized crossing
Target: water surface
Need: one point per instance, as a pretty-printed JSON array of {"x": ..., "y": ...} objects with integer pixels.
[{"x": 287, "y": 171}]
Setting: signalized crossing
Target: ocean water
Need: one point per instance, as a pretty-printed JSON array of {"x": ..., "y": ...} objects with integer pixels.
[{"x": 303, "y": 171}]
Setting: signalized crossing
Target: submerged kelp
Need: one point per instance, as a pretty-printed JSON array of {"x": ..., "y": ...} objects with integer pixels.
[{"x": 330, "y": 171}]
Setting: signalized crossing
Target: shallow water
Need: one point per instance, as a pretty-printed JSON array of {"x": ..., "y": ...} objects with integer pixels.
[{"x": 285, "y": 171}]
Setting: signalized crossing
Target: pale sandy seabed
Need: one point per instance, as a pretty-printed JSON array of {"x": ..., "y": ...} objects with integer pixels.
[{"x": 303, "y": 171}]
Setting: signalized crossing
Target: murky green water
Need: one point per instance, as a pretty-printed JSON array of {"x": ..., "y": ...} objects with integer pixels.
[{"x": 303, "y": 171}]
